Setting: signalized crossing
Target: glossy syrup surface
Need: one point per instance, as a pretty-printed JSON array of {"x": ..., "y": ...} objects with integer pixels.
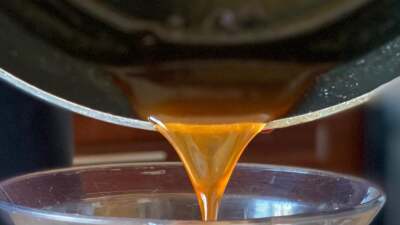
[{"x": 210, "y": 111}]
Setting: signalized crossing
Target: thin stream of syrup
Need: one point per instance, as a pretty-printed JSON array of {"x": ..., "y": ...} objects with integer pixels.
[
  {"x": 210, "y": 153},
  {"x": 209, "y": 112}
]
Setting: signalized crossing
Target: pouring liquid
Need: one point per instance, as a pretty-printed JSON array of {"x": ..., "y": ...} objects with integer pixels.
[
  {"x": 209, "y": 112},
  {"x": 209, "y": 153}
]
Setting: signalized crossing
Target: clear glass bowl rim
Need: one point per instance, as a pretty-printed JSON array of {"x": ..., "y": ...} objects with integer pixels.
[{"x": 378, "y": 201}]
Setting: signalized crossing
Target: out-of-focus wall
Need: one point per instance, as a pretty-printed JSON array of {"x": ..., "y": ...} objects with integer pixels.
[{"x": 382, "y": 148}]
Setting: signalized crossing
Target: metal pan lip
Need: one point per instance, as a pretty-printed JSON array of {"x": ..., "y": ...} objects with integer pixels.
[{"x": 146, "y": 125}]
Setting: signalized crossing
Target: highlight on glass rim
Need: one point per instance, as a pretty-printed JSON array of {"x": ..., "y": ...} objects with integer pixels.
[{"x": 199, "y": 112}]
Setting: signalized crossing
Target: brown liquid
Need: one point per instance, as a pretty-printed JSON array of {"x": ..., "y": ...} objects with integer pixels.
[
  {"x": 210, "y": 153},
  {"x": 210, "y": 111}
]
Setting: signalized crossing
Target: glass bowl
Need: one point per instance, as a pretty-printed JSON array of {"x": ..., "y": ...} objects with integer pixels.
[{"x": 160, "y": 193}]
